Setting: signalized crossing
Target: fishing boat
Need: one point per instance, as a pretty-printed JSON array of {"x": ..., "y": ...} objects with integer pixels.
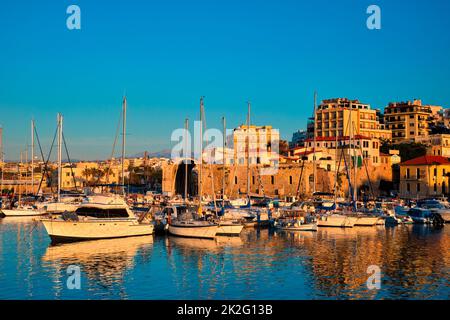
[{"x": 101, "y": 217}]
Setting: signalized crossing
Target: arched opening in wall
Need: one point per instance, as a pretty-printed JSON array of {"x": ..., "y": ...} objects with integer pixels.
[{"x": 180, "y": 180}]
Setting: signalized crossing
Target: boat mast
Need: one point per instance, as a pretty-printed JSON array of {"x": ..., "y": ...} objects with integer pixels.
[
  {"x": 355, "y": 169},
  {"x": 186, "y": 127},
  {"x": 314, "y": 144},
  {"x": 200, "y": 209},
  {"x": 248, "y": 152},
  {"x": 224, "y": 144},
  {"x": 124, "y": 128},
  {"x": 335, "y": 164},
  {"x": 32, "y": 156},
  {"x": 60, "y": 128},
  {"x": 19, "y": 177}
]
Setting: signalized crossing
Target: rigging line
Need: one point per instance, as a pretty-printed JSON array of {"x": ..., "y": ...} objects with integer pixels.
[
  {"x": 367, "y": 171},
  {"x": 114, "y": 144},
  {"x": 70, "y": 162},
  {"x": 203, "y": 118},
  {"x": 46, "y": 171},
  {"x": 301, "y": 175}
]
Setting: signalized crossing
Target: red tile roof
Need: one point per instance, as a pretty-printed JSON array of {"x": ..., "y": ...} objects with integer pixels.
[{"x": 426, "y": 160}]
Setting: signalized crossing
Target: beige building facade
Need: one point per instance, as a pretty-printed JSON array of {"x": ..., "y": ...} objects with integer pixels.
[{"x": 341, "y": 116}]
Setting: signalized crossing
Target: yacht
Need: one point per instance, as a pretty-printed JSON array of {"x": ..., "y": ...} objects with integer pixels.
[{"x": 100, "y": 217}]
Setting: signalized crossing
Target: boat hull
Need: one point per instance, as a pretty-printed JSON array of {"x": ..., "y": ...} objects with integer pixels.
[
  {"x": 64, "y": 231},
  {"x": 445, "y": 216},
  {"x": 206, "y": 232},
  {"x": 366, "y": 221},
  {"x": 230, "y": 229},
  {"x": 302, "y": 227},
  {"x": 337, "y": 221},
  {"x": 21, "y": 213}
]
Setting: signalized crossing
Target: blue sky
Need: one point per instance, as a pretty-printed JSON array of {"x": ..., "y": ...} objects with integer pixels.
[{"x": 165, "y": 54}]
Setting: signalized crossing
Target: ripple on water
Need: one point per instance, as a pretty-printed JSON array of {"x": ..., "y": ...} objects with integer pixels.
[{"x": 328, "y": 264}]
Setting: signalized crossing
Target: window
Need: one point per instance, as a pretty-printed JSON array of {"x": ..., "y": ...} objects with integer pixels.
[
  {"x": 435, "y": 187},
  {"x": 253, "y": 179},
  {"x": 235, "y": 180},
  {"x": 418, "y": 187},
  {"x": 407, "y": 174},
  {"x": 435, "y": 172},
  {"x": 418, "y": 173},
  {"x": 408, "y": 187},
  {"x": 272, "y": 179}
]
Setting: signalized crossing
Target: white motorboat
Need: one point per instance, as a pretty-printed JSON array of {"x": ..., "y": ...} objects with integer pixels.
[{"x": 101, "y": 217}]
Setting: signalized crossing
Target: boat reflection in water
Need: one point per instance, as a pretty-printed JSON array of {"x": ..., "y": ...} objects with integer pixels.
[
  {"x": 331, "y": 263},
  {"x": 340, "y": 259},
  {"x": 104, "y": 262}
]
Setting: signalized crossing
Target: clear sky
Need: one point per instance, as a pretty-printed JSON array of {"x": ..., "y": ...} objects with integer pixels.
[{"x": 165, "y": 54}]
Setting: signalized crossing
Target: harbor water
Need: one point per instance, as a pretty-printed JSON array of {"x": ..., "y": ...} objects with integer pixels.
[{"x": 260, "y": 264}]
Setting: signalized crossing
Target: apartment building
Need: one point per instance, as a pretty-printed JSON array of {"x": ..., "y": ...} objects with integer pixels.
[
  {"x": 262, "y": 144},
  {"x": 368, "y": 148},
  {"x": 340, "y": 116},
  {"x": 437, "y": 144},
  {"x": 424, "y": 176},
  {"x": 408, "y": 120}
]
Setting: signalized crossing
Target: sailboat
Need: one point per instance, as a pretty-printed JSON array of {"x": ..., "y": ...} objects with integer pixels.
[
  {"x": 190, "y": 224},
  {"x": 100, "y": 217},
  {"x": 60, "y": 204},
  {"x": 330, "y": 219},
  {"x": 25, "y": 210},
  {"x": 227, "y": 226}
]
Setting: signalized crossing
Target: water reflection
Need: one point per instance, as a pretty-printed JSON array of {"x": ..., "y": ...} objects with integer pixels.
[
  {"x": 260, "y": 264},
  {"x": 103, "y": 262}
]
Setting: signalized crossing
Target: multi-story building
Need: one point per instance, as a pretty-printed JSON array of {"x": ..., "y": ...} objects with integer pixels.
[
  {"x": 437, "y": 144},
  {"x": 368, "y": 148},
  {"x": 408, "y": 120},
  {"x": 261, "y": 144},
  {"x": 424, "y": 176},
  {"x": 298, "y": 138},
  {"x": 342, "y": 116}
]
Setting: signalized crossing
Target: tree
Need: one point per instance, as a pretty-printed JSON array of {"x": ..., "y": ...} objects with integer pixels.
[
  {"x": 408, "y": 150},
  {"x": 283, "y": 147}
]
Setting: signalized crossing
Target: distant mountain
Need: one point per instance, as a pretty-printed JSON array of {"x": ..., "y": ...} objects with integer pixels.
[{"x": 166, "y": 153}]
